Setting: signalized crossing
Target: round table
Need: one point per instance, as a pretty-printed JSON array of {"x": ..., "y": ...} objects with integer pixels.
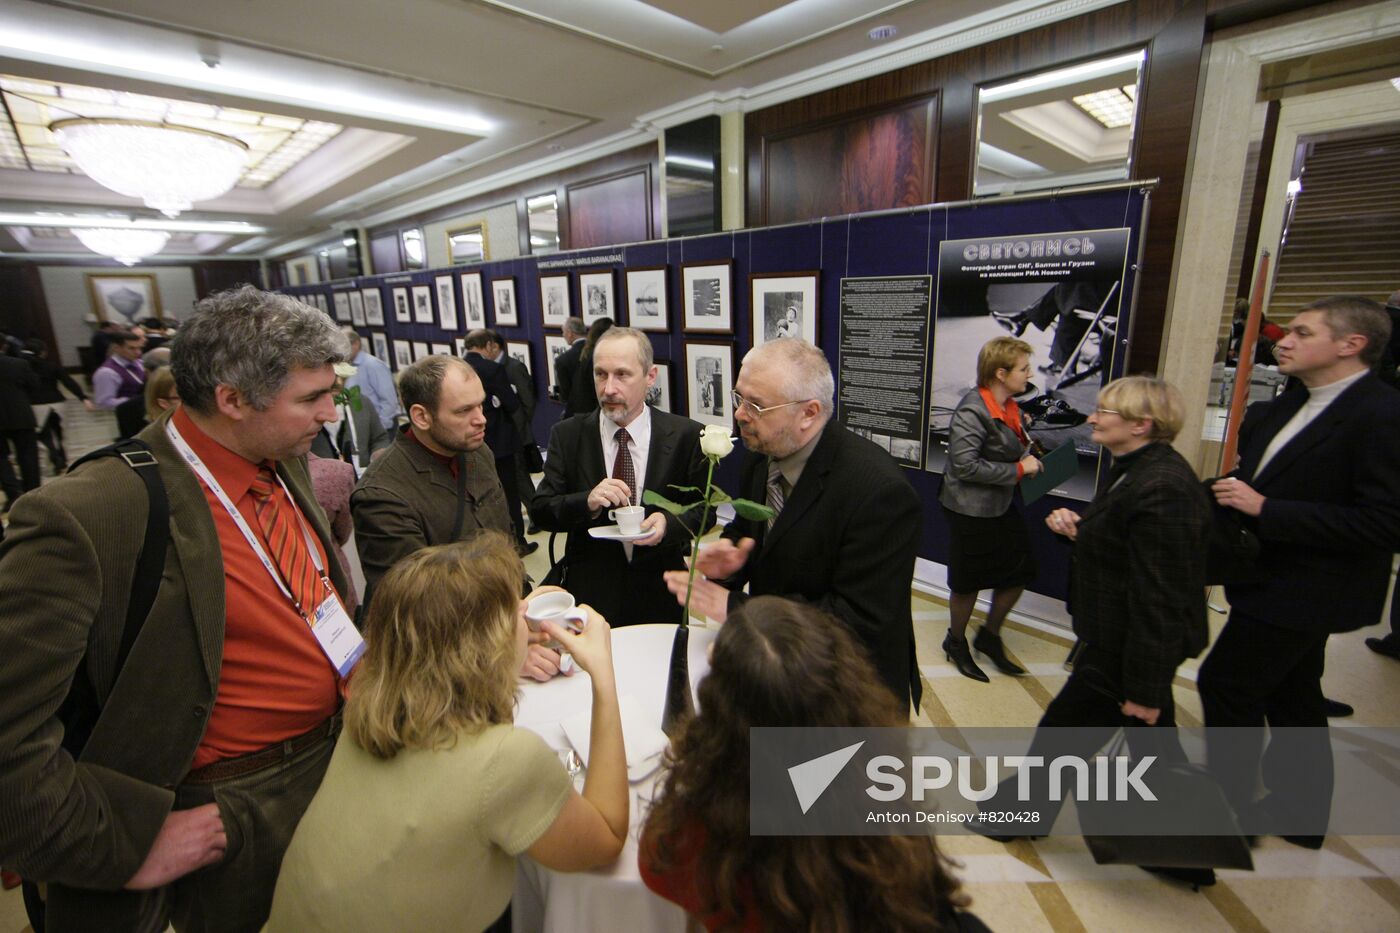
[{"x": 613, "y": 897}]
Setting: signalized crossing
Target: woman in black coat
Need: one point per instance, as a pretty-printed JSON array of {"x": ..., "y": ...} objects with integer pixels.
[{"x": 1137, "y": 586}]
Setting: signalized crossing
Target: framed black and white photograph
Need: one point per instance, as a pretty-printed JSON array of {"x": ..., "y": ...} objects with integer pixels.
[
  {"x": 357, "y": 309},
  {"x": 422, "y": 304},
  {"x": 421, "y": 348},
  {"x": 444, "y": 348},
  {"x": 520, "y": 350},
  {"x": 503, "y": 297},
  {"x": 473, "y": 305},
  {"x": 342, "y": 306},
  {"x": 659, "y": 395},
  {"x": 374, "y": 307},
  {"x": 705, "y": 298},
  {"x": 403, "y": 354},
  {"x": 381, "y": 348},
  {"x": 554, "y": 346},
  {"x": 125, "y": 298},
  {"x": 784, "y": 304},
  {"x": 554, "y": 300},
  {"x": 709, "y": 379},
  {"x": 595, "y": 293},
  {"x": 402, "y": 312},
  {"x": 320, "y": 302},
  {"x": 447, "y": 302},
  {"x": 459, "y": 347},
  {"x": 646, "y": 299}
]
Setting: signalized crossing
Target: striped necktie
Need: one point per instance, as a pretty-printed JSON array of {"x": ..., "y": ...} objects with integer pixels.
[
  {"x": 776, "y": 495},
  {"x": 285, "y": 541}
]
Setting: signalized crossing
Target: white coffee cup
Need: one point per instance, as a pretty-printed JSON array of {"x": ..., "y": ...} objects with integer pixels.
[
  {"x": 555, "y": 606},
  {"x": 628, "y": 518}
]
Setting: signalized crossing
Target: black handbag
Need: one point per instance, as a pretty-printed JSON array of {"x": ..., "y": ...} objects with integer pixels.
[
  {"x": 1189, "y": 801},
  {"x": 1232, "y": 547}
]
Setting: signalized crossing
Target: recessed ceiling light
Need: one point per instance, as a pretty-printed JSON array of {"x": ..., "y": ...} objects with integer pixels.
[{"x": 880, "y": 33}]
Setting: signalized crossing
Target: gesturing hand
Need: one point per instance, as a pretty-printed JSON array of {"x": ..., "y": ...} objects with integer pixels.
[
  {"x": 188, "y": 840},
  {"x": 721, "y": 559},
  {"x": 609, "y": 494}
]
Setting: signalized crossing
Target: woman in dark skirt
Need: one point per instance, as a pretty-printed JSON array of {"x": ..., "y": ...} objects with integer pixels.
[{"x": 987, "y": 457}]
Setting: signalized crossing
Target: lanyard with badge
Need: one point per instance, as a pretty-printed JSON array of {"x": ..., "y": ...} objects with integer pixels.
[{"x": 331, "y": 624}]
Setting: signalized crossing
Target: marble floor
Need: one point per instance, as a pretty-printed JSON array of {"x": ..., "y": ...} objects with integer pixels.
[{"x": 1351, "y": 884}]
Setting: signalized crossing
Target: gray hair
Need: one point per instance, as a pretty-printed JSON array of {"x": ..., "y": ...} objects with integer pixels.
[
  {"x": 806, "y": 374},
  {"x": 1354, "y": 314},
  {"x": 250, "y": 340},
  {"x": 352, "y": 335},
  {"x": 575, "y": 326},
  {"x": 644, "y": 349}
]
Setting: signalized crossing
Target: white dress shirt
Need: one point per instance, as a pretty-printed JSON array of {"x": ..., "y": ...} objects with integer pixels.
[
  {"x": 639, "y": 443},
  {"x": 1318, "y": 400}
]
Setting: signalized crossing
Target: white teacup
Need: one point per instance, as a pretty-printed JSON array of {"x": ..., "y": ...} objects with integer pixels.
[
  {"x": 628, "y": 518},
  {"x": 555, "y": 606}
]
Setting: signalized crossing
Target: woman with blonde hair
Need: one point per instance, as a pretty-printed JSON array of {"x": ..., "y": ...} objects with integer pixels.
[
  {"x": 432, "y": 793},
  {"x": 778, "y": 662},
  {"x": 161, "y": 394},
  {"x": 990, "y": 548},
  {"x": 1137, "y": 588}
]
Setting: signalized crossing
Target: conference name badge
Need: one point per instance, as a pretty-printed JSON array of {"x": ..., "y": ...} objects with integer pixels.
[{"x": 337, "y": 635}]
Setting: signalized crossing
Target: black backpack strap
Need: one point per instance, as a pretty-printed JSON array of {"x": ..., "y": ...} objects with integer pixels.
[{"x": 151, "y": 562}]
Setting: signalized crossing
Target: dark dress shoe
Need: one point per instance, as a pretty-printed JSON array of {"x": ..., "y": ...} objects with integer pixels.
[
  {"x": 533, "y": 529},
  {"x": 526, "y": 548},
  {"x": 957, "y": 651},
  {"x": 1388, "y": 646},
  {"x": 1196, "y": 877},
  {"x": 1015, "y": 322},
  {"x": 990, "y": 645},
  {"x": 1336, "y": 709},
  {"x": 1305, "y": 842}
]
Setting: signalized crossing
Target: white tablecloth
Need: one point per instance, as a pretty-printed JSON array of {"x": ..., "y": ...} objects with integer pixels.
[{"x": 611, "y": 898}]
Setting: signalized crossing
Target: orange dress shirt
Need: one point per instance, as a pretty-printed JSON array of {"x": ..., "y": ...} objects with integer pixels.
[
  {"x": 275, "y": 682},
  {"x": 1010, "y": 415}
]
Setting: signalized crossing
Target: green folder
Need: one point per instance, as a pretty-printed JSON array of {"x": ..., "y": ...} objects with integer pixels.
[{"x": 1056, "y": 467}]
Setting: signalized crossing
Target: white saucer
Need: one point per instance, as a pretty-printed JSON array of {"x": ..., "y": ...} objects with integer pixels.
[{"x": 614, "y": 533}]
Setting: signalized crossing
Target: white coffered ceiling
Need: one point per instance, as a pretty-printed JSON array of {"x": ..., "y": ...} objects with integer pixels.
[{"x": 444, "y": 99}]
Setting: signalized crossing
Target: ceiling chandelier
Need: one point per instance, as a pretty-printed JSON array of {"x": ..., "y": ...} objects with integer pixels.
[
  {"x": 126, "y": 246},
  {"x": 167, "y": 167}
]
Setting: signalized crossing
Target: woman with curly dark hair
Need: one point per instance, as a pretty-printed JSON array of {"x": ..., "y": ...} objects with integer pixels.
[{"x": 781, "y": 663}]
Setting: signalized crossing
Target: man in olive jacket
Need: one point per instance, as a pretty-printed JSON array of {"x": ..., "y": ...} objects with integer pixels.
[
  {"x": 437, "y": 483},
  {"x": 117, "y": 831}
]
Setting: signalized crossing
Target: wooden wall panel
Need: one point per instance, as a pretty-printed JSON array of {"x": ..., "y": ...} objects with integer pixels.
[
  {"x": 210, "y": 277},
  {"x": 1173, "y": 31},
  {"x": 604, "y": 211},
  {"x": 869, "y": 163},
  {"x": 629, "y": 161}
]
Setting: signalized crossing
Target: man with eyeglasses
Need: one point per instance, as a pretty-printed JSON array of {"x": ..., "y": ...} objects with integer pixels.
[{"x": 848, "y": 522}]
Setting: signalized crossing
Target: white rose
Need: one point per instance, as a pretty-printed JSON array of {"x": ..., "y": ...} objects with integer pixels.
[
  {"x": 715, "y": 441},
  {"x": 345, "y": 370}
]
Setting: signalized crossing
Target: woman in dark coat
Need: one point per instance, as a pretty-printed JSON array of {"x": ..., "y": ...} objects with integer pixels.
[
  {"x": 988, "y": 454},
  {"x": 1137, "y": 587}
]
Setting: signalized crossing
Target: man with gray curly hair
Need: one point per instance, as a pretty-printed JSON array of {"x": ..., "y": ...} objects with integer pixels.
[{"x": 212, "y": 735}]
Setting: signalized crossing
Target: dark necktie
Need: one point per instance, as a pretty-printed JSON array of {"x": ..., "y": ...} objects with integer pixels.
[
  {"x": 283, "y": 535},
  {"x": 622, "y": 463}
]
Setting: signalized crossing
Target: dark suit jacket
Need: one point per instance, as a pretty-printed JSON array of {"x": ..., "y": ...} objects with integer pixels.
[
  {"x": 1138, "y": 574},
  {"x": 501, "y": 405},
  {"x": 524, "y": 418},
  {"x": 1331, "y": 518},
  {"x": 407, "y": 500},
  {"x": 845, "y": 541},
  {"x": 368, "y": 430},
  {"x": 599, "y": 573},
  {"x": 17, "y": 384},
  {"x": 583, "y": 397},
  {"x": 565, "y": 365},
  {"x": 91, "y": 822}
]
